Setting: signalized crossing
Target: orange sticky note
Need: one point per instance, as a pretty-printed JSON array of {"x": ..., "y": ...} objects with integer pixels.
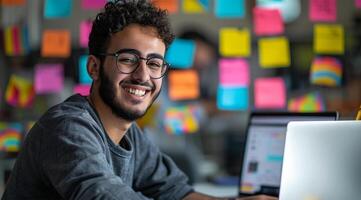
[
  {"x": 170, "y": 5},
  {"x": 56, "y": 43},
  {"x": 183, "y": 85},
  {"x": 12, "y": 2}
]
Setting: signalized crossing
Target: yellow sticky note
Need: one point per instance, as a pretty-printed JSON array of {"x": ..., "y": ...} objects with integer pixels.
[
  {"x": 183, "y": 85},
  {"x": 274, "y": 52},
  {"x": 328, "y": 39},
  {"x": 234, "y": 42},
  {"x": 9, "y": 48},
  {"x": 192, "y": 6}
]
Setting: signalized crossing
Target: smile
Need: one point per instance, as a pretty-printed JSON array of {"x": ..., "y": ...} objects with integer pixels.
[{"x": 136, "y": 92}]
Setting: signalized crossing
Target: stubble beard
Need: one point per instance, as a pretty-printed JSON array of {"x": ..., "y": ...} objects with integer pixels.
[{"x": 107, "y": 93}]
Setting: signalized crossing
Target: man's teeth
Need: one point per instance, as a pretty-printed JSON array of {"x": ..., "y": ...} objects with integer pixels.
[{"x": 136, "y": 92}]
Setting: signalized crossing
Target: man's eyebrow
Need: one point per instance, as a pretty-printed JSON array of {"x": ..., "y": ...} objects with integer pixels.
[
  {"x": 155, "y": 55},
  {"x": 135, "y": 51}
]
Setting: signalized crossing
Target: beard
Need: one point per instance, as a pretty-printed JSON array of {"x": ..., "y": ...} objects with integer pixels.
[{"x": 107, "y": 93}]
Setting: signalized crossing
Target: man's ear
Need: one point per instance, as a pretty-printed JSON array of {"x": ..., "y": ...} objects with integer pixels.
[{"x": 93, "y": 67}]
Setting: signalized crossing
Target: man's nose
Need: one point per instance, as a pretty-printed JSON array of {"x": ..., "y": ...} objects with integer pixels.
[{"x": 141, "y": 73}]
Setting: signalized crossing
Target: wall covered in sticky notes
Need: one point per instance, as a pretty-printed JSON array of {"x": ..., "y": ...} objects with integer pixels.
[{"x": 229, "y": 57}]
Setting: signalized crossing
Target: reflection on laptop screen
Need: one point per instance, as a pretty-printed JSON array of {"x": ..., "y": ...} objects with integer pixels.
[{"x": 263, "y": 153}]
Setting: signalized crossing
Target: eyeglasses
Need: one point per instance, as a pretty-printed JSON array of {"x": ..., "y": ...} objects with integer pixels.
[{"x": 128, "y": 61}]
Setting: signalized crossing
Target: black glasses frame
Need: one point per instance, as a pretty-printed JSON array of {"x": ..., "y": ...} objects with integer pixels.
[{"x": 116, "y": 55}]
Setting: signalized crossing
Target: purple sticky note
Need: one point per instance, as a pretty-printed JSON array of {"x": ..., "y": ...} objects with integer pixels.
[
  {"x": 49, "y": 78},
  {"x": 84, "y": 31},
  {"x": 81, "y": 89},
  {"x": 269, "y": 93},
  {"x": 267, "y": 21},
  {"x": 323, "y": 10},
  {"x": 92, "y": 4},
  {"x": 233, "y": 72}
]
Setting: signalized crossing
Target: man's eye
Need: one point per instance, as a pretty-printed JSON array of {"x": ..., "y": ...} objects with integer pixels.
[{"x": 127, "y": 61}]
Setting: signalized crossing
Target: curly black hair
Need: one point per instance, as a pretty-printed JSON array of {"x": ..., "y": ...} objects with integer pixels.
[{"x": 118, "y": 14}]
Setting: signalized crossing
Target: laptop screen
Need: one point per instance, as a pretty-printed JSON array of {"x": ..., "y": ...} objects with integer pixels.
[{"x": 263, "y": 153}]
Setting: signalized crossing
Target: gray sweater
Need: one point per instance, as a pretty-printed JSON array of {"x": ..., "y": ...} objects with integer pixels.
[{"x": 68, "y": 155}]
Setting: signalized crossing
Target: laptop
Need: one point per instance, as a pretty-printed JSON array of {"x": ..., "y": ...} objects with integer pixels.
[
  {"x": 263, "y": 150},
  {"x": 322, "y": 160}
]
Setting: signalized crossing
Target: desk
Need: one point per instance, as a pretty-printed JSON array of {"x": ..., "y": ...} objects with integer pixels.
[{"x": 216, "y": 190}]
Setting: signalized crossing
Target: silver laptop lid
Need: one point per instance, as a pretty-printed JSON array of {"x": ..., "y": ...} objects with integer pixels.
[{"x": 322, "y": 161}]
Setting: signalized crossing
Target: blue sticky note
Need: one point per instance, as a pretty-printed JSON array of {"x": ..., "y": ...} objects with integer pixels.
[
  {"x": 232, "y": 98},
  {"x": 229, "y": 8},
  {"x": 57, "y": 9},
  {"x": 84, "y": 77},
  {"x": 181, "y": 53},
  {"x": 204, "y": 3}
]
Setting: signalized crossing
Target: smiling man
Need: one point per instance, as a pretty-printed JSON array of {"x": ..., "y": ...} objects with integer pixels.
[{"x": 90, "y": 147}]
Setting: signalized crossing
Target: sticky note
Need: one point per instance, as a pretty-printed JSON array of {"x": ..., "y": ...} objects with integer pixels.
[
  {"x": 56, "y": 43},
  {"x": 229, "y": 8},
  {"x": 274, "y": 52},
  {"x": 234, "y": 42},
  {"x": 232, "y": 98},
  {"x": 12, "y": 2},
  {"x": 181, "y": 119},
  {"x": 326, "y": 71},
  {"x": 358, "y": 3},
  {"x": 10, "y": 136},
  {"x": 195, "y": 6},
  {"x": 311, "y": 102},
  {"x": 269, "y": 93},
  {"x": 180, "y": 53},
  {"x": 57, "y": 9},
  {"x": 183, "y": 85},
  {"x": 19, "y": 92},
  {"x": 170, "y": 5},
  {"x": 84, "y": 77},
  {"x": 328, "y": 39},
  {"x": 81, "y": 89},
  {"x": 267, "y": 21},
  {"x": 84, "y": 32},
  {"x": 323, "y": 10},
  {"x": 49, "y": 78},
  {"x": 233, "y": 72},
  {"x": 92, "y": 4}
]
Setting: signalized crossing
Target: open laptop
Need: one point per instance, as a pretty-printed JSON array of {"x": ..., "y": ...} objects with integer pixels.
[
  {"x": 322, "y": 160},
  {"x": 263, "y": 151}
]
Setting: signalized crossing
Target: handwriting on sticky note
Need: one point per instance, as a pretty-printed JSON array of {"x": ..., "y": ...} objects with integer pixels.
[
  {"x": 274, "y": 52},
  {"x": 269, "y": 93},
  {"x": 170, "y": 5},
  {"x": 56, "y": 43},
  {"x": 267, "y": 21},
  {"x": 329, "y": 39},
  {"x": 234, "y": 42},
  {"x": 323, "y": 10},
  {"x": 233, "y": 72},
  {"x": 183, "y": 85}
]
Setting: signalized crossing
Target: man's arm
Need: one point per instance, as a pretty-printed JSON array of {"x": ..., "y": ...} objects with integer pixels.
[{"x": 199, "y": 196}]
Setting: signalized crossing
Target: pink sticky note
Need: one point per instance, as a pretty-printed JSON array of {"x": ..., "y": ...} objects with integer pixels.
[
  {"x": 358, "y": 3},
  {"x": 92, "y": 4},
  {"x": 234, "y": 72},
  {"x": 322, "y": 10},
  {"x": 82, "y": 89},
  {"x": 49, "y": 78},
  {"x": 85, "y": 28},
  {"x": 267, "y": 21},
  {"x": 269, "y": 93}
]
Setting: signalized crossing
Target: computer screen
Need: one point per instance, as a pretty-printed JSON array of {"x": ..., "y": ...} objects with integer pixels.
[{"x": 264, "y": 147}]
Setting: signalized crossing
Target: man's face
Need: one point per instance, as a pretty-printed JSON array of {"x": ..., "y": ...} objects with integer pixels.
[{"x": 130, "y": 95}]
